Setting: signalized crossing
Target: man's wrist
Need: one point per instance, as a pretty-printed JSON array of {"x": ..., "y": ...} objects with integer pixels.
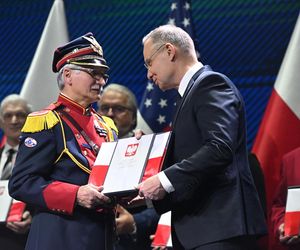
[{"x": 164, "y": 181}]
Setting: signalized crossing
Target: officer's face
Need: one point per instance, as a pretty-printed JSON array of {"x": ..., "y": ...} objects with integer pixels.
[
  {"x": 12, "y": 120},
  {"x": 114, "y": 104},
  {"x": 83, "y": 86}
]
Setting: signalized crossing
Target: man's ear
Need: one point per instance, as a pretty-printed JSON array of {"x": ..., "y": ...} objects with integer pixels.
[
  {"x": 67, "y": 75},
  {"x": 171, "y": 50}
]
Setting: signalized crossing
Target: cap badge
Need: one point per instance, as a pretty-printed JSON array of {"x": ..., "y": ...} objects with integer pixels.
[{"x": 95, "y": 45}]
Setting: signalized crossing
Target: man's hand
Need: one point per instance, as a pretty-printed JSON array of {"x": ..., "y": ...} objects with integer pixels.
[
  {"x": 151, "y": 189},
  {"x": 21, "y": 227},
  {"x": 287, "y": 240},
  {"x": 124, "y": 222},
  {"x": 90, "y": 196},
  {"x": 138, "y": 133}
]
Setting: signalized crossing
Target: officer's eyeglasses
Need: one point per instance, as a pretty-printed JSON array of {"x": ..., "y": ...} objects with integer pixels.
[
  {"x": 148, "y": 62},
  {"x": 116, "y": 109},
  {"x": 96, "y": 74}
]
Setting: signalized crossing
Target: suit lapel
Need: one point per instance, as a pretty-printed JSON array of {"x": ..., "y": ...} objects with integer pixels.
[{"x": 188, "y": 89}]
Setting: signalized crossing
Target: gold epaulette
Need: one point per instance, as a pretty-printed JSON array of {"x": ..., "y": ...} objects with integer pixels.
[
  {"x": 41, "y": 120},
  {"x": 110, "y": 123}
]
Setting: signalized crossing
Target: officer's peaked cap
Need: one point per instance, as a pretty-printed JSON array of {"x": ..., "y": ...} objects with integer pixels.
[{"x": 84, "y": 51}]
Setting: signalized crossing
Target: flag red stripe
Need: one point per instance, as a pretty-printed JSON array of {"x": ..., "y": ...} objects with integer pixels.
[{"x": 279, "y": 133}]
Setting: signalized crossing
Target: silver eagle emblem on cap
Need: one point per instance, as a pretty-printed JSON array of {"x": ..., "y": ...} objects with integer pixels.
[{"x": 95, "y": 45}]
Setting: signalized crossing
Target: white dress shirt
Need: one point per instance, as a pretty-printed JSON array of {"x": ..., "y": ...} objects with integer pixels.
[
  {"x": 4, "y": 156},
  {"x": 167, "y": 185}
]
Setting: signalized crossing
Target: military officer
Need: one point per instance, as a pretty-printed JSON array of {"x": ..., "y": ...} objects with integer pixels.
[{"x": 57, "y": 150}]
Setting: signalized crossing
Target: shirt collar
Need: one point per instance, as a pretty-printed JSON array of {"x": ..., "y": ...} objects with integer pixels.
[
  {"x": 8, "y": 147},
  {"x": 187, "y": 77}
]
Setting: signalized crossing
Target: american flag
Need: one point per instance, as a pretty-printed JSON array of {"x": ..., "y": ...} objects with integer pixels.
[{"x": 157, "y": 107}]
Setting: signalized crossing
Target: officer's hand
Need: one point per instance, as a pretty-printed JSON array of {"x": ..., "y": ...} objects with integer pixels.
[
  {"x": 125, "y": 223},
  {"x": 21, "y": 227},
  {"x": 90, "y": 196}
]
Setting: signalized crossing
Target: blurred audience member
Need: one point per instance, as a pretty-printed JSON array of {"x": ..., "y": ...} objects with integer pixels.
[
  {"x": 119, "y": 103},
  {"x": 290, "y": 176},
  {"x": 13, "y": 112}
]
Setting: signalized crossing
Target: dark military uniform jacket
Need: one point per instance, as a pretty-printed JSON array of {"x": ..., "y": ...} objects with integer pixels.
[{"x": 54, "y": 160}]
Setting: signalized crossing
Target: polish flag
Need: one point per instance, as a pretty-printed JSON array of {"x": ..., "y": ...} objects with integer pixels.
[
  {"x": 292, "y": 212},
  {"x": 279, "y": 132},
  {"x": 162, "y": 237}
]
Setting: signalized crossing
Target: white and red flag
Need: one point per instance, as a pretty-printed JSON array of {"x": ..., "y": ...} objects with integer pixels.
[{"x": 279, "y": 131}]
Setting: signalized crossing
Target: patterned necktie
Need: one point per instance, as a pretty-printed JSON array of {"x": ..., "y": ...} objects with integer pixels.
[{"x": 7, "y": 168}]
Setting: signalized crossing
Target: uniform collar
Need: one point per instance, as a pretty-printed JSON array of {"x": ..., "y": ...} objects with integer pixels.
[{"x": 69, "y": 103}]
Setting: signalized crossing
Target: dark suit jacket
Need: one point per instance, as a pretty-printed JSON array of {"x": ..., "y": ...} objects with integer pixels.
[{"x": 214, "y": 197}]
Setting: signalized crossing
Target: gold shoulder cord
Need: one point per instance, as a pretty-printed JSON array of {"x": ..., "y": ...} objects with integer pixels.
[{"x": 66, "y": 150}]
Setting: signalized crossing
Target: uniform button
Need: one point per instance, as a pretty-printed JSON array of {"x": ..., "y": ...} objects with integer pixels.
[
  {"x": 78, "y": 136},
  {"x": 85, "y": 152}
]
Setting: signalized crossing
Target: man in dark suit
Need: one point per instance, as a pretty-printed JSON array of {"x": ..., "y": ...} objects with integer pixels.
[
  {"x": 206, "y": 182},
  {"x": 13, "y": 112}
]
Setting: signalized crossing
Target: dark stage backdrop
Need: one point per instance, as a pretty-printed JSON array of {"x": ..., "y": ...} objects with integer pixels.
[{"x": 244, "y": 39}]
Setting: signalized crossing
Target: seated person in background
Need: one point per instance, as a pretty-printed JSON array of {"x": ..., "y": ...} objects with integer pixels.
[
  {"x": 290, "y": 176},
  {"x": 134, "y": 225},
  {"x": 13, "y": 112},
  {"x": 119, "y": 103}
]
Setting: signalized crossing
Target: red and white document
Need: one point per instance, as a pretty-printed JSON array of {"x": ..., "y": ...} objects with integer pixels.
[
  {"x": 292, "y": 212},
  {"x": 120, "y": 166}
]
